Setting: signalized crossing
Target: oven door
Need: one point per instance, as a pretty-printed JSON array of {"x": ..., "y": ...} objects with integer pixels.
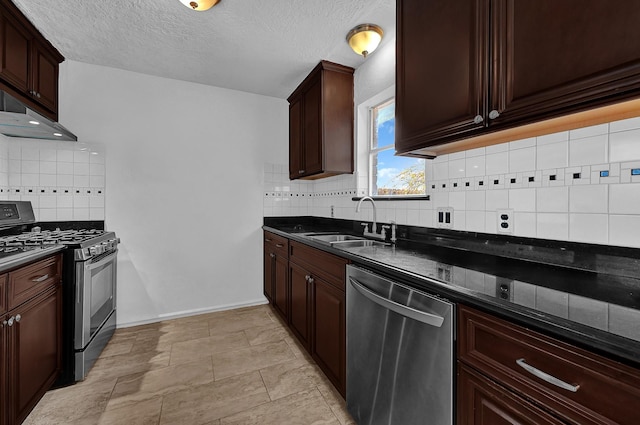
[{"x": 95, "y": 296}]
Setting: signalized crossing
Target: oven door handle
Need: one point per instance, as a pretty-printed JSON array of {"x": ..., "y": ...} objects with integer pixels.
[{"x": 88, "y": 265}]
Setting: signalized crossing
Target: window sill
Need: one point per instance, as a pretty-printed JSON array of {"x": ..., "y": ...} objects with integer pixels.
[{"x": 396, "y": 198}]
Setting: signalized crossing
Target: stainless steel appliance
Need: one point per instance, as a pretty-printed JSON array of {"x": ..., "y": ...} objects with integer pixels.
[
  {"x": 89, "y": 282},
  {"x": 400, "y": 356}
]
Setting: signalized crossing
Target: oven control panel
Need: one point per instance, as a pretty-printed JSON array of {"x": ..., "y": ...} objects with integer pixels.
[{"x": 106, "y": 246}]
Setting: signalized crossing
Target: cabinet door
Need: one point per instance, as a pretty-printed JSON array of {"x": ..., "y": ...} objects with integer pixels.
[
  {"x": 554, "y": 57},
  {"x": 269, "y": 264},
  {"x": 329, "y": 345},
  {"x": 45, "y": 78},
  {"x": 299, "y": 317},
  {"x": 312, "y": 136},
  {"x": 34, "y": 351},
  {"x": 441, "y": 70},
  {"x": 295, "y": 139},
  {"x": 280, "y": 286},
  {"x": 14, "y": 56},
  {"x": 480, "y": 401}
]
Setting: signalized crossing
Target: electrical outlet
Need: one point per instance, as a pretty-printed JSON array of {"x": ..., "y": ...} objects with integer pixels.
[
  {"x": 332, "y": 212},
  {"x": 444, "y": 217},
  {"x": 505, "y": 221}
]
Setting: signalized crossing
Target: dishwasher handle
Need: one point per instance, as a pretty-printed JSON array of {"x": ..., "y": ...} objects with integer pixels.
[{"x": 420, "y": 316}]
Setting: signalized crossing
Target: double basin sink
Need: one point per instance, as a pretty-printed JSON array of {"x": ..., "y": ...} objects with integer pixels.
[{"x": 339, "y": 240}]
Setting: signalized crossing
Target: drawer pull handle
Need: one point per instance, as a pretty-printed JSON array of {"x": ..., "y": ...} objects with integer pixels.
[
  {"x": 279, "y": 245},
  {"x": 546, "y": 377},
  {"x": 41, "y": 278},
  {"x": 267, "y": 240}
]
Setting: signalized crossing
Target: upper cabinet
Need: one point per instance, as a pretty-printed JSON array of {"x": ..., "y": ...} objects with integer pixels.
[
  {"x": 28, "y": 62},
  {"x": 467, "y": 68},
  {"x": 321, "y": 123}
]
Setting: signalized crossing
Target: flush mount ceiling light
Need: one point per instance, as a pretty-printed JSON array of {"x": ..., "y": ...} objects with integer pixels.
[
  {"x": 200, "y": 5},
  {"x": 365, "y": 38}
]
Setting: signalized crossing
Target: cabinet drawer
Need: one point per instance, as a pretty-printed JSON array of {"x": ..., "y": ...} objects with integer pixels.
[
  {"x": 598, "y": 390},
  {"x": 321, "y": 263},
  {"x": 30, "y": 280},
  {"x": 276, "y": 244}
]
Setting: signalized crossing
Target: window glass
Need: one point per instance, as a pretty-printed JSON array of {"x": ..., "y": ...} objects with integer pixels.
[{"x": 392, "y": 175}]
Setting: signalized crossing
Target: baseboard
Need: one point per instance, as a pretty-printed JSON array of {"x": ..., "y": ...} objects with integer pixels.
[{"x": 194, "y": 312}]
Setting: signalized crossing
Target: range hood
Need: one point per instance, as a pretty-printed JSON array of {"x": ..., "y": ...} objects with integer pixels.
[{"x": 17, "y": 120}]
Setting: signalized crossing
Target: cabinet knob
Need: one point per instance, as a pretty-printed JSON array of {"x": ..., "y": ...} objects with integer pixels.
[
  {"x": 307, "y": 277},
  {"x": 301, "y": 171},
  {"x": 3, "y": 324},
  {"x": 494, "y": 114},
  {"x": 478, "y": 119},
  {"x": 18, "y": 317},
  {"x": 38, "y": 95},
  {"x": 272, "y": 255},
  {"x": 10, "y": 321},
  {"x": 310, "y": 281}
]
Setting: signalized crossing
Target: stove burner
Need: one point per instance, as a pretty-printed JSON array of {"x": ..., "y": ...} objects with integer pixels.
[{"x": 50, "y": 237}]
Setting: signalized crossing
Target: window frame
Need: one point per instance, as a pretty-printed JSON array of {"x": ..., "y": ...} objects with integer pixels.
[{"x": 371, "y": 151}]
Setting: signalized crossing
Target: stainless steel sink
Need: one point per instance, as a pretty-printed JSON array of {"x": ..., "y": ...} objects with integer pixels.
[
  {"x": 358, "y": 243},
  {"x": 332, "y": 238}
]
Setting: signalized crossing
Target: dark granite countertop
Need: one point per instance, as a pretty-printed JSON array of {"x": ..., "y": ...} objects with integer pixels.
[
  {"x": 20, "y": 256},
  {"x": 584, "y": 294}
]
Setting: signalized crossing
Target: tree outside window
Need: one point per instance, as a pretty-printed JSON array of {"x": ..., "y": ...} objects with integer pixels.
[{"x": 392, "y": 175}]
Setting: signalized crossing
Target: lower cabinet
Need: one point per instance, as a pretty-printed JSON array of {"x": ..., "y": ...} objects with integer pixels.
[
  {"x": 481, "y": 401},
  {"x": 308, "y": 285},
  {"x": 329, "y": 323},
  {"x": 30, "y": 337},
  {"x": 508, "y": 374},
  {"x": 276, "y": 271},
  {"x": 300, "y": 319}
]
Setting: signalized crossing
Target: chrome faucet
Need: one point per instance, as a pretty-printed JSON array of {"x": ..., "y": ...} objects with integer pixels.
[{"x": 374, "y": 227}]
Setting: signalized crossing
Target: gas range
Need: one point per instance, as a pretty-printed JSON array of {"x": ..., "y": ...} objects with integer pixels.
[{"x": 86, "y": 243}]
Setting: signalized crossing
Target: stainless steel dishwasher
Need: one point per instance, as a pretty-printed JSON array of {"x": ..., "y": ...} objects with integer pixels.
[{"x": 399, "y": 353}]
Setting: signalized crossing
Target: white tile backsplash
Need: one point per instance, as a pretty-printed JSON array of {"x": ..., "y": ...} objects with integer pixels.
[
  {"x": 590, "y": 209},
  {"x": 50, "y": 173}
]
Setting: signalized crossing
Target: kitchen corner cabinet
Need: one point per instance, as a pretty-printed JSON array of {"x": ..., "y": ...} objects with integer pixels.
[
  {"x": 321, "y": 123},
  {"x": 30, "y": 336},
  {"x": 318, "y": 315},
  {"x": 508, "y": 374},
  {"x": 466, "y": 68},
  {"x": 28, "y": 62},
  {"x": 276, "y": 272}
]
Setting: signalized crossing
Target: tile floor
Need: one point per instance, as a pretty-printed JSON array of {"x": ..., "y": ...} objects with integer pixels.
[{"x": 232, "y": 367}]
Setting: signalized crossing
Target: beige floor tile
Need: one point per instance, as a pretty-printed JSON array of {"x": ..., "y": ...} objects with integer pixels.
[
  {"x": 291, "y": 377},
  {"x": 304, "y": 408},
  {"x": 231, "y": 363},
  {"x": 205, "y": 403},
  {"x": 239, "y": 321},
  {"x": 143, "y": 413},
  {"x": 127, "y": 364},
  {"x": 335, "y": 401},
  {"x": 71, "y": 403},
  {"x": 143, "y": 386},
  {"x": 188, "y": 351},
  {"x": 262, "y": 334},
  {"x": 164, "y": 373}
]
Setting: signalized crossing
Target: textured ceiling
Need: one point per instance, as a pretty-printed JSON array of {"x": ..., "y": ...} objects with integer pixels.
[{"x": 265, "y": 47}]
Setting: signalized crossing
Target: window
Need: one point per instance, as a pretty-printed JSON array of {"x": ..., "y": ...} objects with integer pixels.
[{"x": 391, "y": 175}]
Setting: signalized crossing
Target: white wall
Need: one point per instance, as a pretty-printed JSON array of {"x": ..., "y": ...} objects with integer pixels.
[{"x": 185, "y": 177}]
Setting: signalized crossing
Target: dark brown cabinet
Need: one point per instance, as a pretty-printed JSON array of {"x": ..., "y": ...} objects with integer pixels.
[
  {"x": 481, "y": 401},
  {"x": 321, "y": 123},
  {"x": 503, "y": 364},
  {"x": 276, "y": 271},
  {"x": 300, "y": 319},
  {"x": 30, "y": 337},
  {"x": 28, "y": 62},
  {"x": 318, "y": 315},
  {"x": 471, "y": 67}
]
